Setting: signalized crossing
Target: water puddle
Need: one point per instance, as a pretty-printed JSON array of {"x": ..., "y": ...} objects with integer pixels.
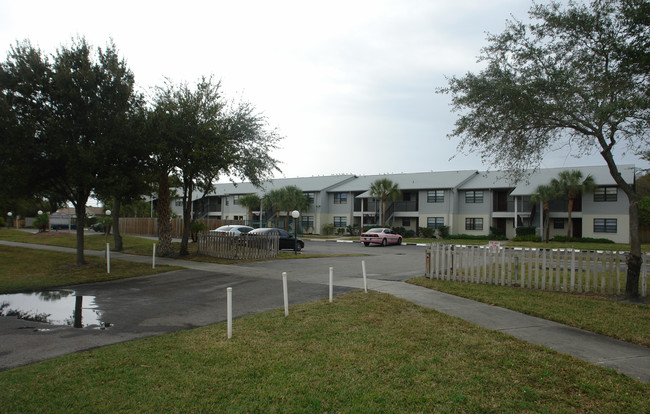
[{"x": 57, "y": 307}]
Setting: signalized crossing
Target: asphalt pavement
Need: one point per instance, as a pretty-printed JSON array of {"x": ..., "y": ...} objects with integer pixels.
[{"x": 153, "y": 305}]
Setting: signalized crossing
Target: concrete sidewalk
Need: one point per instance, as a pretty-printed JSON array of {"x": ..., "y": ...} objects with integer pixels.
[{"x": 630, "y": 359}]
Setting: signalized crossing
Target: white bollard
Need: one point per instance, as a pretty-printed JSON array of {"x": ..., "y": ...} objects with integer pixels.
[
  {"x": 286, "y": 293},
  {"x": 331, "y": 283},
  {"x": 153, "y": 258},
  {"x": 229, "y": 312},
  {"x": 108, "y": 258},
  {"x": 365, "y": 283}
]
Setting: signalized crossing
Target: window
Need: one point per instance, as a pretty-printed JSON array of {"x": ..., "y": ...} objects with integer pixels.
[
  {"x": 473, "y": 224},
  {"x": 605, "y": 225},
  {"x": 235, "y": 200},
  {"x": 473, "y": 197},
  {"x": 307, "y": 221},
  {"x": 310, "y": 196},
  {"x": 435, "y": 196},
  {"x": 179, "y": 203},
  {"x": 435, "y": 222},
  {"x": 340, "y": 221},
  {"x": 406, "y": 222},
  {"x": 340, "y": 198},
  {"x": 558, "y": 223},
  {"x": 605, "y": 194}
]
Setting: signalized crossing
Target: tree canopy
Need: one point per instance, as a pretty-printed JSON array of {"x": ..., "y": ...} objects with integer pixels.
[
  {"x": 384, "y": 189},
  {"x": 58, "y": 115},
  {"x": 575, "y": 77}
]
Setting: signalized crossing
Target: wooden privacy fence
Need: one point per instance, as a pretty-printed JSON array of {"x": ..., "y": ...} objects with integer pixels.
[
  {"x": 564, "y": 270},
  {"x": 149, "y": 226},
  {"x": 244, "y": 246}
]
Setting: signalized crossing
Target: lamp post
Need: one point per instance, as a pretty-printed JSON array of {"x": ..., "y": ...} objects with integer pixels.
[
  {"x": 295, "y": 214},
  {"x": 9, "y": 214},
  {"x": 106, "y": 224}
]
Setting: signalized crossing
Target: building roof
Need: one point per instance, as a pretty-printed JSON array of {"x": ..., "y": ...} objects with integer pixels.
[
  {"x": 411, "y": 181},
  {"x": 306, "y": 184},
  {"x": 600, "y": 174}
]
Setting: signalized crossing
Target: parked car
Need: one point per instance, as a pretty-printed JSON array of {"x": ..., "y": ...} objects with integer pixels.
[
  {"x": 287, "y": 241},
  {"x": 231, "y": 230},
  {"x": 381, "y": 236}
]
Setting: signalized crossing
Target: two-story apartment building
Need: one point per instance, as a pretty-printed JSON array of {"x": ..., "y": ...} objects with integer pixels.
[{"x": 468, "y": 201}]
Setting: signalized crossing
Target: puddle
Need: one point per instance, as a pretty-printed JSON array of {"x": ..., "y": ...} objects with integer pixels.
[{"x": 57, "y": 307}]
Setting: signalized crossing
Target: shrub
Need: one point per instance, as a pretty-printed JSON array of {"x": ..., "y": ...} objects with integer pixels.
[
  {"x": 468, "y": 237},
  {"x": 562, "y": 239},
  {"x": 497, "y": 232},
  {"x": 3, "y": 223},
  {"x": 443, "y": 232},
  {"x": 399, "y": 230},
  {"x": 353, "y": 230},
  {"x": 328, "y": 229},
  {"x": 528, "y": 238},
  {"x": 427, "y": 232},
  {"x": 41, "y": 222},
  {"x": 525, "y": 230}
]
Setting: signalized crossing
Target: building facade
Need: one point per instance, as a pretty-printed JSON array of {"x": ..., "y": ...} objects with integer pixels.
[{"x": 468, "y": 202}]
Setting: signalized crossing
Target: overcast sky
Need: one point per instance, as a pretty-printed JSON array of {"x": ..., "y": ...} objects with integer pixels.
[{"x": 349, "y": 84}]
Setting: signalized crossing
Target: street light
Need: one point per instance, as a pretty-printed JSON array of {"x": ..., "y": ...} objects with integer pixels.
[
  {"x": 9, "y": 214},
  {"x": 295, "y": 214}
]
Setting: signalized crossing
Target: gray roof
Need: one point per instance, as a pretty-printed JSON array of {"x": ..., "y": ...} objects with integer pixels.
[
  {"x": 600, "y": 174},
  {"x": 412, "y": 181},
  {"x": 306, "y": 184}
]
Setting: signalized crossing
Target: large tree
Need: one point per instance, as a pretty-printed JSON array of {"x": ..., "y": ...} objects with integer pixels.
[
  {"x": 570, "y": 78},
  {"x": 384, "y": 189},
  {"x": 206, "y": 137},
  {"x": 292, "y": 198},
  {"x": 250, "y": 202},
  {"x": 60, "y": 114}
]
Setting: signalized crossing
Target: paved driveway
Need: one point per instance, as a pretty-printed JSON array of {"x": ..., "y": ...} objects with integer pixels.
[{"x": 153, "y": 305}]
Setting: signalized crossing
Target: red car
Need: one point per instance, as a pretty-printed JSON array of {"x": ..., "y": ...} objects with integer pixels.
[{"x": 381, "y": 236}]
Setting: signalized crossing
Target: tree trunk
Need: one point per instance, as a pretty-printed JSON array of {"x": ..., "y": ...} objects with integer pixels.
[
  {"x": 187, "y": 218},
  {"x": 80, "y": 211},
  {"x": 570, "y": 221},
  {"x": 634, "y": 260},
  {"x": 165, "y": 247},
  {"x": 547, "y": 223},
  {"x": 117, "y": 237}
]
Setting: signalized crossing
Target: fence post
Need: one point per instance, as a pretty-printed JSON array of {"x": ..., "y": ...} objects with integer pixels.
[
  {"x": 365, "y": 282},
  {"x": 331, "y": 284},
  {"x": 573, "y": 270}
]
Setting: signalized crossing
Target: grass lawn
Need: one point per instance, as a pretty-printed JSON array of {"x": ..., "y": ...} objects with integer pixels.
[
  {"x": 28, "y": 270},
  {"x": 363, "y": 353},
  {"x": 600, "y": 314}
]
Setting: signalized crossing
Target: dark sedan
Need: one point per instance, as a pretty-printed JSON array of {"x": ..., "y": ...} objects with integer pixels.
[{"x": 287, "y": 240}]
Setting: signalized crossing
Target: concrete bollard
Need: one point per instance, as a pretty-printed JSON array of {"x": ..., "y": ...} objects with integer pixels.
[
  {"x": 285, "y": 293},
  {"x": 331, "y": 284},
  {"x": 365, "y": 282},
  {"x": 229, "y": 311}
]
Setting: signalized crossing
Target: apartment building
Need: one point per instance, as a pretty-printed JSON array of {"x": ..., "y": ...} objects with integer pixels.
[{"x": 468, "y": 201}]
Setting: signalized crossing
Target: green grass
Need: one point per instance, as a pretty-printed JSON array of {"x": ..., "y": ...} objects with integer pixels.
[
  {"x": 600, "y": 314},
  {"x": 362, "y": 353},
  {"x": 28, "y": 270}
]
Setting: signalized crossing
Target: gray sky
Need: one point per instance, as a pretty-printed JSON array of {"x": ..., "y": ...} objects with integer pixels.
[{"x": 350, "y": 84}]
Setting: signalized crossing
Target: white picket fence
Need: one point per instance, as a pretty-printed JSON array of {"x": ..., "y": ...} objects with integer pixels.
[
  {"x": 245, "y": 246},
  {"x": 564, "y": 270}
]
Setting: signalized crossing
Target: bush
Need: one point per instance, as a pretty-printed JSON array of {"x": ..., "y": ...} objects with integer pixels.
[
  {"x": 3, "y": 223},
  {"x": 528, "y": 238},
  {"x": 562, "y": 239},
  {"x": 468, "y": 237},
  {"x": 328, "y": 229},
  {"x": 443, "y": 232},
  {"x": 525, "y": 230},
  {"x": 427, "y": 232},
  {"x": 399, "y": 230},
  {"x": 497, "y": 232},
  {"x": 353, "y": 230},
  {"x": 41, "y": 222}
]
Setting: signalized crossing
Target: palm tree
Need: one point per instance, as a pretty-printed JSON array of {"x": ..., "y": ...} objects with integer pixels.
[
  {"x": 384, "y": 189},
  {"x": 293, "y": 198},
  {"x": 543, "y": 194},
  {"x": 273, "y": 201},
  {"x": 571, "y": 184},
  {"x": 250, "y": 201}
]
